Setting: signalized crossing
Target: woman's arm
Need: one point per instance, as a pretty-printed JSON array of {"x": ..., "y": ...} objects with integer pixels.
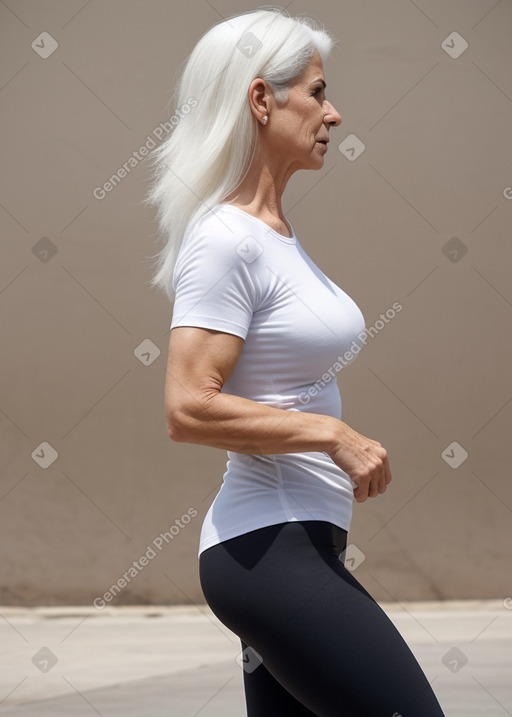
[{"x": 200, "y": 361}]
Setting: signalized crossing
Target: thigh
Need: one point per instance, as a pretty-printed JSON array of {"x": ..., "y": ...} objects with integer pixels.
[
  {"x": 264, "y": 694},
  {"x": 320, "y": 634},
  {"x": 223, "y": 574}
]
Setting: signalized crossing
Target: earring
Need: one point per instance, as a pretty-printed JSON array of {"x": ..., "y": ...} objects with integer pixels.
[{"x": 265, "y": 119}]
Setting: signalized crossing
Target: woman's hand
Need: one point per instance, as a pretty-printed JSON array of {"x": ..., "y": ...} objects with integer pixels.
[{"x": 365, "y": 461}]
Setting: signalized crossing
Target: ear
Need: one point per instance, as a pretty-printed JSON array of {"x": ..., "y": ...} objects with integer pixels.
[{"x": 260, "y": 98}]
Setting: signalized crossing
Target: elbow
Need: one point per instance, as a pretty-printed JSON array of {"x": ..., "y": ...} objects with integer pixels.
[
  {"x": 182, "y": 424},
  {"x": 186, "y": 419},
  {"x": 177, "y": 426}
]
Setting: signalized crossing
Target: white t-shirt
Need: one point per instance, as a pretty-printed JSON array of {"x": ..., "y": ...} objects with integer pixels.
[{"x": 234, "y": 273}]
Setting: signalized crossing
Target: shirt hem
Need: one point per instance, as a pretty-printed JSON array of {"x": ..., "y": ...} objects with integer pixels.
[
  {"x": 272, "y": 519},
  {"x": 210, "y": 322}
]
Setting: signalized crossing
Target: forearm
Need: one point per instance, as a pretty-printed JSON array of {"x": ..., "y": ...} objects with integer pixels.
[
  {"x": 200, "y": 362},
  {"x": 244, "y": 426}
]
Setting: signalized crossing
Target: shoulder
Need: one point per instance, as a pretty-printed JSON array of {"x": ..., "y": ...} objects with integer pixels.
[
  {"x": 222, "y": 236},
  {"x": 225, "y": 222},
  {"x": 220, "y": 249}
]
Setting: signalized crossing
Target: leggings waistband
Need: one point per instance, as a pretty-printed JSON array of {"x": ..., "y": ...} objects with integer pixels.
[{"x": 322, "y": 536}]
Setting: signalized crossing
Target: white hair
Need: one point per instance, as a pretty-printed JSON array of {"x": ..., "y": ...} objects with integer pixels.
[{"x": 210, "y": 150}]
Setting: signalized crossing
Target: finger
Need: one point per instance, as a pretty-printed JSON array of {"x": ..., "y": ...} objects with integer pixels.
[
  {"x": 382, "y": 481},
  {"x": 359, "y": 494},
  {"x": 378, "y": 481},
  {"x": 366, "y": 488},
  {"x": 374, "y": 487},
  {"x": 388, "y": 472}
]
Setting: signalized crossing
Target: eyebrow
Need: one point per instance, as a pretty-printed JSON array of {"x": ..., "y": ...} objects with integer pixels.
[{"x": 319, "y": 79}]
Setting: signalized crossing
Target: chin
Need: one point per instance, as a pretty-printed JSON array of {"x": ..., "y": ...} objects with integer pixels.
[
  {"x": 314, "y": 161},
  {"x": 318, "y": 163}
]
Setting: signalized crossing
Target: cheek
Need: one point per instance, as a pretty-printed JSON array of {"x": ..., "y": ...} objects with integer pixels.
[
  {"x": 306, "y": 129},
  {"x": 296, "y": 129}
]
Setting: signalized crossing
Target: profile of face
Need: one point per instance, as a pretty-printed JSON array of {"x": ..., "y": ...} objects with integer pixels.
[{"x": 297, "y": 132}]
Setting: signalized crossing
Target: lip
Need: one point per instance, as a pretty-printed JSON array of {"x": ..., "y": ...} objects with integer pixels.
[{"x": 324, "y": 141}]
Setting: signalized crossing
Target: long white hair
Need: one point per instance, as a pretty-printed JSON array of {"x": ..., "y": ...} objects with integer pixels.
[{"x": 210, "y": 150}]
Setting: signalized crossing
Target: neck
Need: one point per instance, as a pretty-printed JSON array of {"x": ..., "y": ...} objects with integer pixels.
[{"x": 262, "y": 189}]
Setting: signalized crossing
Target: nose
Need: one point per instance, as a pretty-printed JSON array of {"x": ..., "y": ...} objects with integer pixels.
[{"x": 331, "y": 116}]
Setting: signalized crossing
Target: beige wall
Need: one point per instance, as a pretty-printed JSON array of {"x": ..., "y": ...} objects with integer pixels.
[{"x": 437, "y": 165}]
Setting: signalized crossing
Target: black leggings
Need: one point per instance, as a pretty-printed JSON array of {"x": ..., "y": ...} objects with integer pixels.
[{"x": 327, "y": 648}]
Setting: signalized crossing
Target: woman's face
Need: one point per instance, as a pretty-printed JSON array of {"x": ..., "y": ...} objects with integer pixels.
[{"x": 295, "y": 131}]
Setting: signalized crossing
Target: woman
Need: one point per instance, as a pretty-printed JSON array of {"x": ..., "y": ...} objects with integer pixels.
[{"x": 256, "y": 325}]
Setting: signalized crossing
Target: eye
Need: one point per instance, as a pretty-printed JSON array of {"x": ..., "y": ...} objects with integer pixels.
[{"x": 317, "y": 91}]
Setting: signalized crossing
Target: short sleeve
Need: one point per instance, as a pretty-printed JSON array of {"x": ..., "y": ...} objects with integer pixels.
[{"x": 215, "y": 285}]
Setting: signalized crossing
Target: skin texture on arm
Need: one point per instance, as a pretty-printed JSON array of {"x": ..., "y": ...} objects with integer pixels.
[{"x": 200, "y": 361}]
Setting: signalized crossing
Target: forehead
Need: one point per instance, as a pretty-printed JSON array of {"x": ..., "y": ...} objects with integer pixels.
[{"x": 314, "y": 70}]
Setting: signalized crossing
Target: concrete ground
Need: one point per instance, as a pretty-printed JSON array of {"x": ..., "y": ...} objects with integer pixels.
[{"x": 180, "y": 661}]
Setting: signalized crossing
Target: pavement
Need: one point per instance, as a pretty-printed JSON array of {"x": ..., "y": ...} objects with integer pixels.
[{"x": 180, "y": 661}]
